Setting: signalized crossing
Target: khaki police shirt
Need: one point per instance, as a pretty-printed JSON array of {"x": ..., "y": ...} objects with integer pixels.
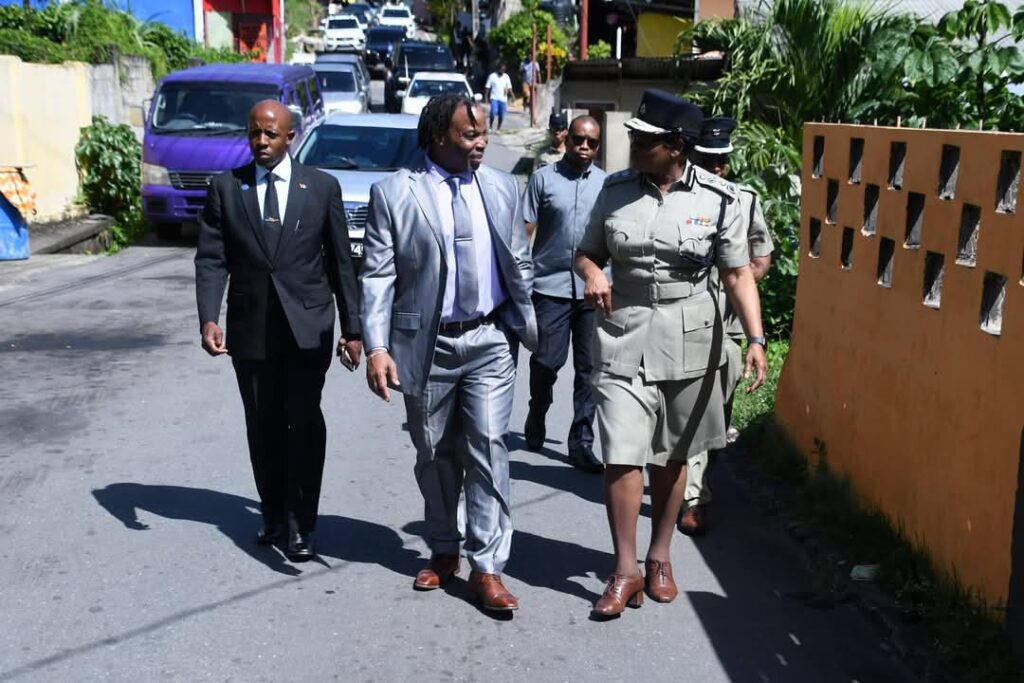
[
  {"x": 663, "y": 312},
  {"x": 760, "y": 240}
]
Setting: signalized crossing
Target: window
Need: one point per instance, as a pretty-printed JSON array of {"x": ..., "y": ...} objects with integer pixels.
[
  {"x": 365, "y": 148},
  {"x": 337, "y": 81},
  {"x": 304, "y": 101},
  {"x": 314, "y": 93},
  {"x": 343, "y": 22},
  {"x": 203, "y": 108},
  {"x": 396, "y": 13},
  {"x": 430, "y": 88}
]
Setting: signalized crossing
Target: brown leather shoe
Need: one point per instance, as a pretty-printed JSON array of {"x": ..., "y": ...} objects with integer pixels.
[
  {"x": 659, "y": 583},
  {"x": 491, "y": 593},
  {"x": 694, "y": 521},
  {"x": 439, "y": 571},
  {"x": 618, "y": 593}
]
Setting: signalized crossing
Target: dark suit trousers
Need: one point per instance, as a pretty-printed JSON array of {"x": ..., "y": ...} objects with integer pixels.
[
  {"x": 559, "y": 319},
  {"x": 284, "y": 423}
]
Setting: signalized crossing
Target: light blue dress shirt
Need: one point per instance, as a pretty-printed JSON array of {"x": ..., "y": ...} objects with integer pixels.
[{"x": 491, "y": 290}]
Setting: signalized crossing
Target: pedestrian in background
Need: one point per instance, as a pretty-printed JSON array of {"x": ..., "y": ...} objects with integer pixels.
[
  {"x": 662, "y": 225},
  {"x": 273, "y": 232},
  {"x": 712, "y": 154},
  {"x": 558, "y": 131},
  {"x": 529, "y": 71},
  {"x": 556, "y": 207},
  {"x": 497, "y": 91},
  {"x": 446, "y": 295}
]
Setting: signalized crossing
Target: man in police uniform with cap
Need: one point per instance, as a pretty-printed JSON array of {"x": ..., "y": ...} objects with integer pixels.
[
  {"x": 712, "y": 154},
  {"x": 558, "y": 131},
  {"x": 663, "y": 226}
]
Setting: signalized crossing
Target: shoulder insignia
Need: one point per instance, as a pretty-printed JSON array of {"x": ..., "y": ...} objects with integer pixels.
[
  {"x": 713, "y": 182},
  {"x": 619, "y": 177}
]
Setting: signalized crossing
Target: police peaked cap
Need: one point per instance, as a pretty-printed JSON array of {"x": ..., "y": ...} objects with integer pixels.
[
  {"x": 661, "y": 112},
  {"x": 558, "y": 121},
  {"x": 715, "y": 135}
]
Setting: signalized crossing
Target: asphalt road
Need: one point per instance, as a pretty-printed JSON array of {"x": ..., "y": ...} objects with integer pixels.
[{"x": 127, "y": 517}]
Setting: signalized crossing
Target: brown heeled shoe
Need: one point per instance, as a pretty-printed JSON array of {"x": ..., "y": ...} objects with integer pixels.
[
  {"x": 620, "y": 592},
  {"x": 660, "y": 585}
]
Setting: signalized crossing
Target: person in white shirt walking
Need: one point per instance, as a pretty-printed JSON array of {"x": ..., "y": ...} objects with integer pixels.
[{"x": 498, "y": 89}]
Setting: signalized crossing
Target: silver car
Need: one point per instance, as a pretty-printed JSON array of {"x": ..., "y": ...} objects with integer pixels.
[
  {"x": 360, "y": 150},
  {"x": 339, "y": 84}
]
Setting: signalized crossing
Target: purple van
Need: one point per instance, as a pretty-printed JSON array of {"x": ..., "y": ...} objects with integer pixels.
[{"x": 196, "y": 127}]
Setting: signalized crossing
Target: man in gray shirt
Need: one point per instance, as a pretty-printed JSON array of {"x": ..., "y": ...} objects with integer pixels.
[{"x": 556, "y": 208}]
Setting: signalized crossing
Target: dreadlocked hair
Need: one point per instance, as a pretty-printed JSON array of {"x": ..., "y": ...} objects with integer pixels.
[{"x": 436, "y": 117}]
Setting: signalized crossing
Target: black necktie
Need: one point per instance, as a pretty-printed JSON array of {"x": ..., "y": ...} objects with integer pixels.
[{"x": 271, "y": 211}]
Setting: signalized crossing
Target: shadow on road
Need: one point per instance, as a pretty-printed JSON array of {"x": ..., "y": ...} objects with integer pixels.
[{"x": 238, "y": 518}]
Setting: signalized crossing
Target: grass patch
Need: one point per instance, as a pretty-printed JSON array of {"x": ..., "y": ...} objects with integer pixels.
[
  {"x": 967, "y": 635},
  {"x": 748, "y": 408}
]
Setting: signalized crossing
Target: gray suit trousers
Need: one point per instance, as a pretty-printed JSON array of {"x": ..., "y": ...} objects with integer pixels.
[{"x": 458, "y": 426}]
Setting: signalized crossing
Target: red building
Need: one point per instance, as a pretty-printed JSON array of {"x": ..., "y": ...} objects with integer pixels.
[{"x": 255, "y": 26}]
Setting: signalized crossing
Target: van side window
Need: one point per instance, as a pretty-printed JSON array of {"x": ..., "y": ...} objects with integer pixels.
[
  {"x": 314, "y": 93},
  {"x": 306, "y": 103}
]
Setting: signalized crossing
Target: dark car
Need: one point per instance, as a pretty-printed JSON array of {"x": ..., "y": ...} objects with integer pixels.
[
  {"x": 410, "y": 58},
  {"x": 361, "y": 10},
  {"x": 380, "y": 44}
]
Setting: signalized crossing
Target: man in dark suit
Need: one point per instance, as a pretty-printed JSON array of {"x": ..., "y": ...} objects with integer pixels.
[{"x": 277, "y": 230}]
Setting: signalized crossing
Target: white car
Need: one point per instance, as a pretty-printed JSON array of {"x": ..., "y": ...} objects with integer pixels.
[
  {"x": 427, "y": 84},
  {"x": 397, "y": 15},
  {"x": 344, "y": 33}
]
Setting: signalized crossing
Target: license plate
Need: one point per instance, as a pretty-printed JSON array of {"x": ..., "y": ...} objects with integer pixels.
[{"x": 357, "y": 249}]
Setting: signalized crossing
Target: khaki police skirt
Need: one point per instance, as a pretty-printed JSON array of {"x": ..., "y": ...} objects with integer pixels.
[{"x": 651, "y": 423}]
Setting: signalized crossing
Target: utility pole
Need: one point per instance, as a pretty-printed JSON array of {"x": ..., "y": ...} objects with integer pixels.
[
  {"x": 549, "y": 54},
  {"x": 584, "y": 20},
  {"x": 475, "y": 9},
  {"x": 534, "y": 79}
]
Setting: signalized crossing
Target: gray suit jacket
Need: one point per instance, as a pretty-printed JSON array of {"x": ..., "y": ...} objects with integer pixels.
[{"x": 404, "y": 268}]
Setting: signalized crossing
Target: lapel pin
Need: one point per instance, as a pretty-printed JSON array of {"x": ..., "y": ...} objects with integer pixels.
[{"x": 245, "y": 187}]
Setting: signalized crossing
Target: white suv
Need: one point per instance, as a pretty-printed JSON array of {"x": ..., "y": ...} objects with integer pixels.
[
  {"x": 344, "y": 33},
  {"x": 397, "y": 15}
]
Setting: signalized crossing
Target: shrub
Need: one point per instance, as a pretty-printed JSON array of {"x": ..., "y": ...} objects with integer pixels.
[
  {"x": 514, "y": 39},
  {"x": 30, "y": 48},
  {"x": 108, "y": 157},
  {"x": 599, "y": 50}
]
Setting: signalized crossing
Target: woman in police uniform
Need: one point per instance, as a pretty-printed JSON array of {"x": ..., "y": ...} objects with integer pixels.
[{"x": 664, "y": 225}]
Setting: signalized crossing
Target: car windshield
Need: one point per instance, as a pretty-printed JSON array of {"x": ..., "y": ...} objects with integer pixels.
[
  {"x": 337, "y": 81},
  {"x": 363, "y": 148},
  {"x": 436, "y": 58},
  {"x": 207, "y": 108},
  {"x": 343, "y": 22},
  {"x": 396, "y": 13},
  {"x": 385, "y": 34},
  {"x": 424, "y": 88}
]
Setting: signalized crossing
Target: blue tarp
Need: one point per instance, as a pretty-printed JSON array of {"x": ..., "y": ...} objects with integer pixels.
[{"x": 13, "y": 233}]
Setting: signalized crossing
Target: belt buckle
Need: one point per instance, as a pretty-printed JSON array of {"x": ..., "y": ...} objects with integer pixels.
[{"x": 654, "y": 292}]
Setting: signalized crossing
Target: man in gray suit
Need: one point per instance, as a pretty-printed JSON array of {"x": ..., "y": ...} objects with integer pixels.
[{"x": 447, "y": 280}]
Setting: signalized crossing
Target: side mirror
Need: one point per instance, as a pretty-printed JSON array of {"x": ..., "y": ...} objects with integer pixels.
[{"x": 296, "y": 116}]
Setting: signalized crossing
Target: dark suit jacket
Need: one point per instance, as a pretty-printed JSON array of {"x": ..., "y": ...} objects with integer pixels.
[{"x": 310, "y": 262}]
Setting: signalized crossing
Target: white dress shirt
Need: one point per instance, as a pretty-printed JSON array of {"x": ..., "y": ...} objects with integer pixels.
[{"x": 282, "y": 176}]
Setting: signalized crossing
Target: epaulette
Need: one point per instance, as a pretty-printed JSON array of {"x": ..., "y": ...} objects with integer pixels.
[
  {"x": 746, "y": 188},
  {"x": 713, "y": 182},
  {"x": 620, "y": 177}
]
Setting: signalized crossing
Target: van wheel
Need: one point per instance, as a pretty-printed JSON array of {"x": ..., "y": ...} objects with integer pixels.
[{"x": 168, "y": 231}]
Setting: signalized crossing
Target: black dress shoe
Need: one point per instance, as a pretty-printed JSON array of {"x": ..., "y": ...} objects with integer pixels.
[
  {"x": 582, "y": 457},
  {"x": 270, "y": 534},
  {"x": 534, "y": 432},
  {"x": 300, "y": 546}
]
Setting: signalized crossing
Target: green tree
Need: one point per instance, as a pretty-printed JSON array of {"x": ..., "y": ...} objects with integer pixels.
[{"x": 514, "y": 38}]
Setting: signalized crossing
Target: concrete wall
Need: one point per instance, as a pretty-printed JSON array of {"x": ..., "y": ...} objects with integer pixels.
[
  {"x": 896, "y": 363},
  {"x": 44, "y": 106}
]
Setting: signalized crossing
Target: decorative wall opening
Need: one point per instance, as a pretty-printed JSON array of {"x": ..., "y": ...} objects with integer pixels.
[
  {"x": 949, "y": 170},
  {"x": 870, "y": 210},
  {"x": 815, "y": 250},
  {"x": 915, "y": 220},
  {"x": 993, "y": 296},
  {"x": 886, "y": 253},
  {"x": 934, "y": 271},
  {"x": 819, "y": 156},
  {"x": 846, "y": 255},
  {"x": 856, "y": 159},
  {"x": 897, "y": 162},
  {"x": 967, "y": 241},
  {"x": 1009, "y": 180},
  {"x": 832, "y": 207}
]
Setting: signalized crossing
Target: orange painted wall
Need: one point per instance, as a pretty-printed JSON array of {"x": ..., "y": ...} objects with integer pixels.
[
  {"x": 726, "y": 9},
  {"x": 919, "y": 406}
]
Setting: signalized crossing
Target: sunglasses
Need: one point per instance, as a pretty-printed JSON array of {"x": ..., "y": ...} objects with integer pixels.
[
  {"x": 647, "y": 140},
  {"x": 578, "y": 140}
]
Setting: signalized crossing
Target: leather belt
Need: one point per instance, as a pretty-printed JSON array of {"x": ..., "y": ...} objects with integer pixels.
[{"x": 457, "y": 327}]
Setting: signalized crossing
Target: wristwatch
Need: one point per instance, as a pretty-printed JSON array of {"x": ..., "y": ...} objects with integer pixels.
[{"x": 758, "y": 340}]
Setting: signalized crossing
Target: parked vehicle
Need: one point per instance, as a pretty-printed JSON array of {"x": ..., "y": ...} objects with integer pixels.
[
  {"x": 344, "y": 33},
  {"x": 381, "y": 42},
  {"x": 410, "y": 58},
  {"x": 196, "y": 125},
  {"x": 397, "y": 15},
  {"x": 427, "y": 84},
  {"x": 359, "y": 151},
  {"x": 348, "y": 58},
  {"x": 366, "y": 14},
  {"x": 339, "y": 83}
]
